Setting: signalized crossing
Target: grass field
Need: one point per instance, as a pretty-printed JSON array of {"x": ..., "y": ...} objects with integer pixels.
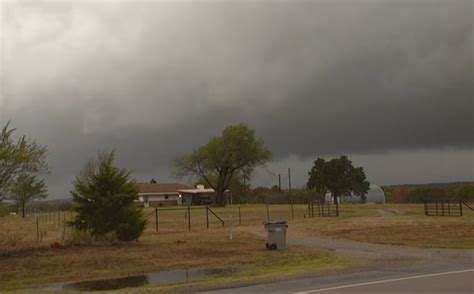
[
  {"x": 26, "y": 262},
  {"x": 404, "y": 225}
]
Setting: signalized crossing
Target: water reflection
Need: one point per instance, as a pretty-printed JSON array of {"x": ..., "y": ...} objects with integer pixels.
[{"x": 158, "y": 278}]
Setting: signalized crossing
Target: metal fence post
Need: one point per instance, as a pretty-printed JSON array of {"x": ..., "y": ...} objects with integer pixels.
[
  {"x": 268, "y": 213},
  {"x": 292, "y": 211},
  {"x": 37, "y": 229},
  {"x": 156, "y": 219},
  {"x": 189, "y": 218},
  {"x": 207, "y": 216},
  {"x": 460, "y": 207},
  {"x": 240, "y": 217}
]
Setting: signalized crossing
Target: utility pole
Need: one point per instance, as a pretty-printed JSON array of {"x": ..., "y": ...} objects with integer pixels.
[
  {"x": 289, "y": 181},
  {"x": 279, "y": 182}
]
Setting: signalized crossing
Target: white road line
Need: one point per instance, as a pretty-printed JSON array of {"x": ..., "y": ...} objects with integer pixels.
[{"x": 383, "y": 281}]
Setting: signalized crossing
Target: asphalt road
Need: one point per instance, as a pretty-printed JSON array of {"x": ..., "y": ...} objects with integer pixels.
[
  {"x": 455, "y": 281},
  {"x": 446, "y": 282}
]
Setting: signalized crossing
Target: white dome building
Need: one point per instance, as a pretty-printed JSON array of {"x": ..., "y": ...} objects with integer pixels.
[{"x": 374, "y": 195}]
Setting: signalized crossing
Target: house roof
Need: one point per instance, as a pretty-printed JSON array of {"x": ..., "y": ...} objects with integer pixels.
[
  {"x": 160, "y": 188},
  {"x": 199, "y": 191},
  {"x": 196, "y": 191}
]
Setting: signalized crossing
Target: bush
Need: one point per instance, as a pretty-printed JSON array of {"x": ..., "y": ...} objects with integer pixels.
[
  {"x": 3, "y": 210},
  {"x": 103, "y": 198},
  {"x": 465, "y": 193},
  {"x": 419, "y": 195}
]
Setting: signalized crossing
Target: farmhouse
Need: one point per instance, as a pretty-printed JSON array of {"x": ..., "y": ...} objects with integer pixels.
[{"x": 158, "y": 194}]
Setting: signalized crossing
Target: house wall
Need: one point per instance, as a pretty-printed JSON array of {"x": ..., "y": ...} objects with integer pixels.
[
  {"x": 187, "y": 199},
  {"x": 159, "y": 200}
]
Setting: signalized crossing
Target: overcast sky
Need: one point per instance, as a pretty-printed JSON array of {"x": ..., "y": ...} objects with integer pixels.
[{"x": 389, "y": 83}]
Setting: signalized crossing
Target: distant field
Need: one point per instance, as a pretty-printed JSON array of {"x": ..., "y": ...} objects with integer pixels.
[{"x": 28, "y": 263}]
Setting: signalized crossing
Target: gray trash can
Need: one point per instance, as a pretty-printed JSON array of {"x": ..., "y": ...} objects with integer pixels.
[{"x": 276, "y": 239}]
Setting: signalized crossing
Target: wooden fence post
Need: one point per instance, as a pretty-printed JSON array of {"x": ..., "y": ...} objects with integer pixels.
[{"x": 207, "y": 216}]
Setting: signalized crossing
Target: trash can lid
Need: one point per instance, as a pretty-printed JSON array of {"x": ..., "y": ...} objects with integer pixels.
[{"x": 275, "y": 222}]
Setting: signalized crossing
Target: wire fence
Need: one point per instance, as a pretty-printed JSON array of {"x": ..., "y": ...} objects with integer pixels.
[
  {"x": 36, "y": 229},
  {"x": 199, "y": 217},
  {"x": 50, "y": 228}
]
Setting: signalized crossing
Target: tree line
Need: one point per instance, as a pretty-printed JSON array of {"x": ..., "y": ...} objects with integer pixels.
[{"x": 463, "y": 192}]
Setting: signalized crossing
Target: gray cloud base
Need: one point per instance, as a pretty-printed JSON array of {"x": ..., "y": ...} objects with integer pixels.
[{"x": 315, "y": 78}]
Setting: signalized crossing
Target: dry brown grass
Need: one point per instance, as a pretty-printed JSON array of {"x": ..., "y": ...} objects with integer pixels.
[
  {"x": 24, "y": 234},
  {"x": 209, "y": 249},
  {"x": 411, "y": 227}
]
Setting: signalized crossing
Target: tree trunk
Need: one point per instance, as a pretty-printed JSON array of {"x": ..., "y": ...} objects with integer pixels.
[
  {"x": 220, "y": 197},
  {"x": 23, "y": 210},
  {"x": 335, "y": 199},
  {"x": 222, "y": 200}
]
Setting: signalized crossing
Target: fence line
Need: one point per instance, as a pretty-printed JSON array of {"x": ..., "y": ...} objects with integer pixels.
[
  {"x": 164, "y": 219},
  {"x": 51, "y": 226}
]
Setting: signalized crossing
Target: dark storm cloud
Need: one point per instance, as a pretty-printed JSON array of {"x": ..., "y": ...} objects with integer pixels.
[{"x": 314, "y": 78}]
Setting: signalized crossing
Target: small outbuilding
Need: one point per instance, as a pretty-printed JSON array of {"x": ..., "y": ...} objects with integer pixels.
[
  {"x": 374, "y": 195},
  {"x": 199, "y": 196}
]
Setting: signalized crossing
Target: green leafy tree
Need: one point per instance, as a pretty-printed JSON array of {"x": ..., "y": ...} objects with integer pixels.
[
  {"x": 25, "y": 189},
  {"x": 422, "y": 194},
  {"x": 103, "y": 198},
  {"x": 18, "y": 157},
  {"x": 223, "y": 157},
  {"x": 339, "y": 177}
]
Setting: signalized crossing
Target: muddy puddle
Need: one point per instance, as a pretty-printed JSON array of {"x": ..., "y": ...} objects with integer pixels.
[{"x": 159, "y": 278}]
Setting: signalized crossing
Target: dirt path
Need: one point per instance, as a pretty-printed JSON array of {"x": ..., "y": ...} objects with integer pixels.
[
  {"x": 378, "y": 255},
  {"x": 370, "y": 255},
  {"x": 387, "y": 212}
]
